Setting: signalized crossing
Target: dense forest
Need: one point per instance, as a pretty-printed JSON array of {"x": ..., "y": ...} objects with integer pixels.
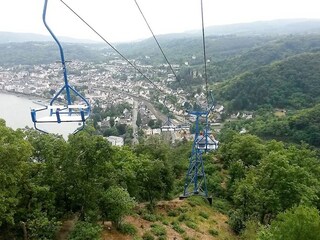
[
  {"x": 265, "y": 187},
  {"x": 291, "y": 83}
]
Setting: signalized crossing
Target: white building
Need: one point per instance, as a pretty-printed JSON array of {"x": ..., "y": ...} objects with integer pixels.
[{"x": 116, "y": 141}]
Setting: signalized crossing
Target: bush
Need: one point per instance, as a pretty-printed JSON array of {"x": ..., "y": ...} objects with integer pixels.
[
  {"x": 150, "y": 217},
  {"x": 300, "y": 222},
  {"x": 42, "y": 227},
  {"x": 204, "y": 215},
  {"x": 236, "y": 221},
  {"x": 127, "y": 228},
  {"x": 177, "y": 228},
  {"x": 183, "y": 217},
  {"x": 192, "y": 225},
  {"x": 148, "y": 236},
  {"x": 86, "y": 231},
  {"x": 162, "y": 238},
  {"x": 165, "y": 222},
  {"x": 188, "y": 238},
  {"x": 213, "y": 232},
  {"x": 173, "y": 213},
  {"x": 221, "y": 205},
  {"x": 158, "y": 230}
]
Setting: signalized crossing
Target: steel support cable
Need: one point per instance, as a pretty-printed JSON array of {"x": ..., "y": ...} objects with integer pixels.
[
  {"x": 204, "y": 53},
  {"x": 165, "y": 57},
  {"x": 116, "y": 50}
]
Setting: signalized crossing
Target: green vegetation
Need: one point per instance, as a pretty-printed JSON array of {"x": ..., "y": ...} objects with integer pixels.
[
  {"x": 297, "y": 223},
  {"x": 291, "y": 83},
  {"x": 299, "y": 126},
  {"x": 86, "y": 231}
]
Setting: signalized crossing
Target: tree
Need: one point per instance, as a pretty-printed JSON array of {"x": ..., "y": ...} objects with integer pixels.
[
  {"x": 86, "y": 172},
  {"x": 86, "y": 231},
  {"x": 301, "y": 222},
  {"x": 139, "y": 120},
  {"x": 116, "y": 203},
  {"x": 15, "y": 152},
  {"x": 247, "y": 148},
  {"x": 282, "y": 179}
]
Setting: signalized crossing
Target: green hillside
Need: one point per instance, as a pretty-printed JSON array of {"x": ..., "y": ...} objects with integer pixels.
[
  {"x": 29, "y": 53},
  {"x": 291, "y": 83},
  {"x": 301, "y": 126},
  {"x": 261, "y": 54}
]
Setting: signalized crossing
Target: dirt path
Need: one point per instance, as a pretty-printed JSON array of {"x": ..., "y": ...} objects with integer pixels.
[{"x": 66, "y": 227}]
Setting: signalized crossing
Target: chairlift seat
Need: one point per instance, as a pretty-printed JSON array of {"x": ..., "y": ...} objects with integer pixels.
[
  {"x": 206, "y": 143},
  {"x": 61, "y": 113},
  {"x": 167, "y": 128}
]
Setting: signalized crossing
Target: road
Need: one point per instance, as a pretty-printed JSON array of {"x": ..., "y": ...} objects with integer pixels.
[
  {"x": 148, "y": 103},
  {"x": 134, "y": 121}
]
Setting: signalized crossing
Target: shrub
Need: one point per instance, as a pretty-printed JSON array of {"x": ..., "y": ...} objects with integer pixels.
[
  {"x": 158, "y": 230},
  {"x": 149, "y": 217},
  {"x": 236, "y": 221},
  {"x": 165, "y": 222},
  {"x": 204, "y": 215},
  {"x": 192, "y": 225},
  {"x": 177, "y": 228},
  {"x": 148, "y": 236},
  {"x": 127, "y": 228},
  {"x": 173, "y": 213},
  {"x": 183, "y": 217},
  {"x": 213, "y": 232},
  {"x": 86, "y": 230}
]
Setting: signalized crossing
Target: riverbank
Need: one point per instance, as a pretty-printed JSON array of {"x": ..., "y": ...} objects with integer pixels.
[{"x": 34, "y": 98}]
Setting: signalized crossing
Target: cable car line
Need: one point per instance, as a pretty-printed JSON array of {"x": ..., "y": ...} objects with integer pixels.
[
  {"x": 107, "y": 42},
  {"x": 204, "y": 53},
  {"x": 165, "y": 57},
  {"x": 168, "y": 125}
]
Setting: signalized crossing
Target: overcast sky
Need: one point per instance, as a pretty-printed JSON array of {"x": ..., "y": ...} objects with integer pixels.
[{"x": 120, "y": 20}]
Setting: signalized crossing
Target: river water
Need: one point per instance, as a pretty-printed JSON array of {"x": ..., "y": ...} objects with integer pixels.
[{"x": 15, "y": 110}]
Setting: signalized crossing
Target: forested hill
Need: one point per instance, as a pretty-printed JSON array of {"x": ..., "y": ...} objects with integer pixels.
[
  {"x": 257, "y": 55},
  {"x": 291, "y": 83},
  {"x": 303, "y": 126},
  {"x": 296, "y": 127},
  {"x": 29, "y": 53}
]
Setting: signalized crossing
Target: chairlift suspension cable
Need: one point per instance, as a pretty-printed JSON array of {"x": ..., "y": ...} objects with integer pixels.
[
  {"x": 165, "y": 57},
  {"x": 204, "y": 53},
  {"x": 116, "y": 50}
]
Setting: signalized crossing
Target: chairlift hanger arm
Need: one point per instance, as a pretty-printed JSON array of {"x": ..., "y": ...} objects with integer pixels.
[{"x": 44, "y": 14}]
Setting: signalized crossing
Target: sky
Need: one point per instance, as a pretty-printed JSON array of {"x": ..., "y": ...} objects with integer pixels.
[{"x": 120, "y": 20}]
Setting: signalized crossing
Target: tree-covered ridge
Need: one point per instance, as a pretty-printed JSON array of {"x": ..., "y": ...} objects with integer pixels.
[
  {"x": 44, "y": 178},
  {"x": 265, "y": 179},
  {"x": 29, "y": 53},
  {"x": 261, "y": 53},
  {"x": 291, "y": 83}
]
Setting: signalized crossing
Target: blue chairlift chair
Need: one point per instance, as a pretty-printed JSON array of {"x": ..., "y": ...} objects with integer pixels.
[{"x": 62, "y": 112}]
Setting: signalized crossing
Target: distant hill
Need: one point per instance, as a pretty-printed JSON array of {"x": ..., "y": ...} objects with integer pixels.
[
  {"x": 290, "y": 83},
  {"x": 257, "y": 55},
  {"x": 9, "y": 37},
  {"x": 29, "y": 53},
  {"x": 221, "y": 41},
  {"x": 279, "y": 27}
]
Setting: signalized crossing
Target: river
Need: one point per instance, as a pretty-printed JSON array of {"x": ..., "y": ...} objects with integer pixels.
[{"x": 15, "y": 110}]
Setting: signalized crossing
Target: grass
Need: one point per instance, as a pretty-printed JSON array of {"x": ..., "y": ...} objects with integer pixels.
[
  {"x": 128, "y": 229},
  {"x": 177, "y": 228},
  {"x": 158, "y": 230}
]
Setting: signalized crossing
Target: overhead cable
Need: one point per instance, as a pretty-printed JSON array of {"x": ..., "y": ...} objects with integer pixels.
[
  {"x": 156, "y": 39},
  {"x": 204, "y": 53},
  {"x": 117, "y": 51}
]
